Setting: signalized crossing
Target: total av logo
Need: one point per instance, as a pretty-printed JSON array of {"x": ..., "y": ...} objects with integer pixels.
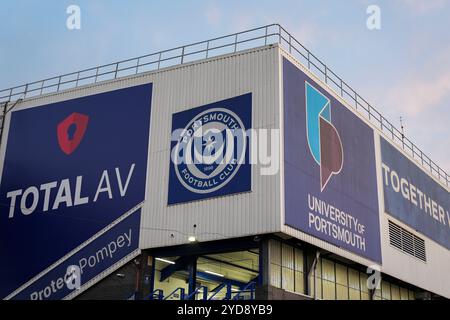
[
  {"x": 210, "y": 150},
  {"x": 324, "y": 141},
  {"x": 71, "y": 131}
]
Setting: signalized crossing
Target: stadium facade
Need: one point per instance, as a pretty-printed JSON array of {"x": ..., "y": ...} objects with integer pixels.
[{"x": 320, "y": 197}]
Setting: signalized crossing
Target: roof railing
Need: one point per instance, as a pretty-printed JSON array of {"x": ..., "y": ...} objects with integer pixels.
[{"x": 232, "y": 43}]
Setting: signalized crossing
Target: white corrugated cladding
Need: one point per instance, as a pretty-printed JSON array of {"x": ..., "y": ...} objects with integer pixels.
[
  {"x": 194, "y": 85},
  {"x": 184, "y": 87}
]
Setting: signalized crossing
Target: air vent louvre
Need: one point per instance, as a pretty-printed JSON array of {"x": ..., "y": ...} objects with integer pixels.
[{"x": 407, "y": 241}]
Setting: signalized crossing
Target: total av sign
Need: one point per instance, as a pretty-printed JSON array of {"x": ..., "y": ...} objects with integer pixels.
[{"x": 66, "y": 193}]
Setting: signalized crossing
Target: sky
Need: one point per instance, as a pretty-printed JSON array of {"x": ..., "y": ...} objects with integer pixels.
[{"x": 402, "y": 69}]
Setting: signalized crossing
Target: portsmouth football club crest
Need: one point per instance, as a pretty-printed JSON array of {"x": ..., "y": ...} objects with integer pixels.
[{"x": 210, "y": 150}]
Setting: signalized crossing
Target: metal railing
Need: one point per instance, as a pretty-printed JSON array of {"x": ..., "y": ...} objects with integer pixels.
[
  {"x": 246, "y": 293},
  {"x": 151, "y": 62},
  {"x": 218, "y": 293},
  {"x": 269, "y": 34},
  {"x": 341, "y": 88},
  {"x": 3, "y": 107},
  {"x": 201, "y": 291},
  {"x": 156, "y": 294},
  {"x": 174, "y": 296}
]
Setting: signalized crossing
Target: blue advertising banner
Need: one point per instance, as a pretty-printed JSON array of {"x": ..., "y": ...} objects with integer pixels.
[
  {"x": 209, "y": 150},
  {"x": 71, "y": 168},
  {"x": 413, "y": 197},
  {"x": 109, "y": 248},
  {"x": 330, "y": 172}
]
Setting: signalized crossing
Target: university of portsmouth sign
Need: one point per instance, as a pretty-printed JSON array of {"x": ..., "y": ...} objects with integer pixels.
[
  {"x": 209, "y": 150},
  {"x": 71, "y": 169},
  {"x": 329, "y": 168}
]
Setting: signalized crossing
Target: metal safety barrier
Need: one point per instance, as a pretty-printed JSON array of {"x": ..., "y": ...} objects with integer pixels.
[
  {"x": 217, "y": 294},
  {"x": 199, "y": 291},
  {"x": 232, "y": 43},
  {"x": 157, "y": 294},
  {"x": 246, "y": 293},
  {"x": 174, "y": 295}
]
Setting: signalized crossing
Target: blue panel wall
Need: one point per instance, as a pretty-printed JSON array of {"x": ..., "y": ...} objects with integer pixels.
[{"x": 71, "y": 168}]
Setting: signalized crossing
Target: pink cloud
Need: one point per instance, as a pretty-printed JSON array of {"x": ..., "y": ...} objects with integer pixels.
[
  {"x": 424, "y": 6},
  {"x": 213, "y": 15}
]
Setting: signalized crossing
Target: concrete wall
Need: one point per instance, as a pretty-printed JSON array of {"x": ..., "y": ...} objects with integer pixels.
[{"x": 113, "y": 287}]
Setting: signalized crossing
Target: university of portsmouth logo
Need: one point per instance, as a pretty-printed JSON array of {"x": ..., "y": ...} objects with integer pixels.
[
  {"x": 71, "y": 131},
  {"x": 324, "y": 141},
  {"x": 209, "y": 150}
]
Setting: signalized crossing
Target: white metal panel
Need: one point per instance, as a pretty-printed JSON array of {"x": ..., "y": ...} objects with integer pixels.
[{"x": 187, "y": 87}]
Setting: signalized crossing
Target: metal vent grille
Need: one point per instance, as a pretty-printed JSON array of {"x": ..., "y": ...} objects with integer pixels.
[{"x": 406, "y": 241}]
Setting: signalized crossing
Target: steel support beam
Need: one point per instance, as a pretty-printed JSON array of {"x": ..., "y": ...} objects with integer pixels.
[
  {"x": 192, "y": 270},
  {"x": 211, "y": 277},
  {"x": 145, "y": 276},
  {"x": 311, "y": 263},
  {"x": 229, "y": 264},
  {"x": 211, "y": 247},
  {"x": 180, "y": 264},
  {"x": 264, "y": 263}
]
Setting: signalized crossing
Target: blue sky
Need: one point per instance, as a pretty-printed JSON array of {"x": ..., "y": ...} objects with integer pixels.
[{"x": 402, "y": 69}]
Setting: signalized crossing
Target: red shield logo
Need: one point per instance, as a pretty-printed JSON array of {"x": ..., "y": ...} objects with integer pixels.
[{"x": 71, "y": 131}]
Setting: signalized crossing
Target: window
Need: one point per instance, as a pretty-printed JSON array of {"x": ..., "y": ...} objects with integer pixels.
[
  {"x": 404, "y": 294},
  {"x": 316, "y": 282},
  {"x": 299, "y": 273},
  {"x": 365, "y": 294},
  {"x": 286, "y": 267},
  {"x": 341, "y": 282},
  {"x": 353, "y": 284},
  {"x": 395, "y": 292},
  {"x": 275, "y": 263},
  {"x": 385, "y": 290},
  {"x": 328, "y": 280},
  {"x": 377, "y": 295},
  {"x": 287, "y": 271},
  {"x": 332, "y": 280}
]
